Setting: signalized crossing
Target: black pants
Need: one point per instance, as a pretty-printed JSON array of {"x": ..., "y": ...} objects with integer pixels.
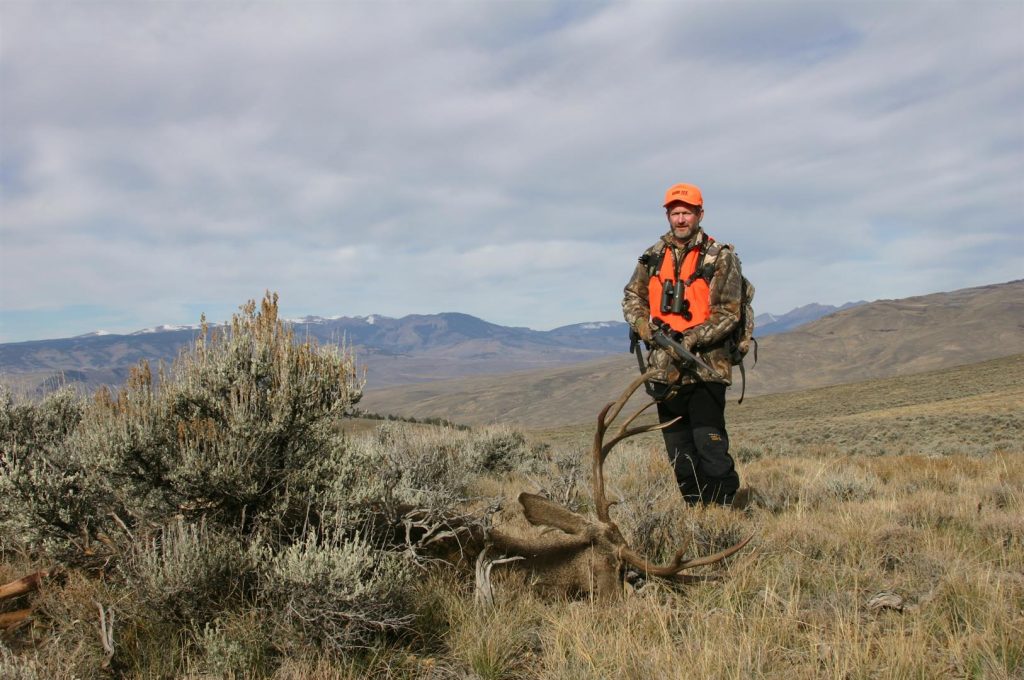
[{"x": 698, "y": 445}]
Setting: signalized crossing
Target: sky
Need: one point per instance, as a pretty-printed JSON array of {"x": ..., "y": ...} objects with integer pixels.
[{"x": 506, "y": 159}]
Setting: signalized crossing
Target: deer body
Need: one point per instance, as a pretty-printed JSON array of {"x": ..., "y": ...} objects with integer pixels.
[
  {"x": 586, "y": 555},
  {"x": 580, "y": 557}
]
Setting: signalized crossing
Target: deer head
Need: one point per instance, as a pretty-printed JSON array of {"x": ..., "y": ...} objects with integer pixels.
[{"x": 585, "y": 555}]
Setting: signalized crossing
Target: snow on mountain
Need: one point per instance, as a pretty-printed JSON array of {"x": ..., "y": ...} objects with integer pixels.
[{"x": 164, "y": 328}]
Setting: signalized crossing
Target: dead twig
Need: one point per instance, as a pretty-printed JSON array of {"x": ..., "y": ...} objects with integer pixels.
[
  {"x": 484, "y": 593},
  {"x": 106, "y": 633}
]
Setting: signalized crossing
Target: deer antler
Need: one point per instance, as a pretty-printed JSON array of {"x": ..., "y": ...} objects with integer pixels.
[
  {"x": 602, "y": 505},
  {"x": 629, "y": 556},
  {"x": 25, "y": 584},
  {"x": 600, "y": 449},
  {"x": 581, "y": 554},
  {"x": 17, "y": 588}
]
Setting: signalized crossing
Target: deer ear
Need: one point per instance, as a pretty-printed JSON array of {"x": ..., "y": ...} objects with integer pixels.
[{"x": 540, "y": 510}]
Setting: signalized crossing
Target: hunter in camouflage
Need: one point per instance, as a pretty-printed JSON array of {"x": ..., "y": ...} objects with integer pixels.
[
  {"x": 709, "y": 340},
  {"x": 694, "y": 285}
]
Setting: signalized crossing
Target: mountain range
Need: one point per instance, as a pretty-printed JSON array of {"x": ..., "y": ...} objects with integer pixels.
[
  {"x": 465, "y": 369},
  {"x": 770, "y": 324},
  {"x": 412, "y": 349}
]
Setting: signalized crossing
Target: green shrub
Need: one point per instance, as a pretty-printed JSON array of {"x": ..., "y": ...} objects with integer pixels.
[
  {"x": 566, "y": 476},
  {"x": 849, "y": 484},
  {"x": 43, "y": 493},
  {"x": 747, "y": 454},
  {"x": 239, "y": 433},
  {"x": 220, "y": 487},
  {"x": 236, "y": 645},
  {"x": 336, "y": 590},
  {"x": 500, "y": 449},
  {"x": 422, "y": 467},
  {"x": 25, "y": 427},
  {"x": 189, "y": 572}
]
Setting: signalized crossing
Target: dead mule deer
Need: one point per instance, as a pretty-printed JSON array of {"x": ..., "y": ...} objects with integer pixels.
[{"x": 584, "y": 555}]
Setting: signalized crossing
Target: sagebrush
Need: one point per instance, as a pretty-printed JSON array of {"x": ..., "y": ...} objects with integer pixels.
[{"x": 218, "y": 486}]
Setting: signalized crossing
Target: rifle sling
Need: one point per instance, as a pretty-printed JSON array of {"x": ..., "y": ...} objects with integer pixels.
[{"x": 634, "y": 346}]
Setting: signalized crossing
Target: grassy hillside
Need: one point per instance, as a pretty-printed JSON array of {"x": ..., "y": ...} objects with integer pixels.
[
  {"x": 889, "y": 539},
  {"x": 967, "y": 409},
  {"x": 889, "y": 543},
  {"x": 895, "y": 337}
]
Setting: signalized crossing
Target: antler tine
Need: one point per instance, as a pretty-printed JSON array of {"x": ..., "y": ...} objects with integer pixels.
[
  {"x": 598, "y": 453},
  {"x": 617, "y": 406},
  {"x": 600, "y": 450},
  {"x": 624, "y": 431},
  {"x": 636, "y": 414},
  {"x": 625, "y": 434},
  {"x": 677, "y": 564},
  {"x": 25, "y": 584}
]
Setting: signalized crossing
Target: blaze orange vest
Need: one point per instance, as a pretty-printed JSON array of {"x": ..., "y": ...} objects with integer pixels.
[{"x": 697, "y": 292}]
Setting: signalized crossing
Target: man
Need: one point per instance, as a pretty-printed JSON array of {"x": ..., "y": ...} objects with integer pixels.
[{"x": 694, "y": 285}]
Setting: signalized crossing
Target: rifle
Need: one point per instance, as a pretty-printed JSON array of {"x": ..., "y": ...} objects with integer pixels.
[{"x": 663, "y": 336}]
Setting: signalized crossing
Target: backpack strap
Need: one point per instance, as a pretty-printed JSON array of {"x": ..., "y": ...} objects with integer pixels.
[
  {"x": 743, "y": 372},
  {"x": 704, "y": 269},
  {"x": 743, "y": 388},
  {"x": 658, "y": 392},
  {"x": 652, "y": 260}
]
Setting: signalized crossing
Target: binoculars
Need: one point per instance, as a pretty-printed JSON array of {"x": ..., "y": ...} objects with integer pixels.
[{"x": 673, "y": 299}]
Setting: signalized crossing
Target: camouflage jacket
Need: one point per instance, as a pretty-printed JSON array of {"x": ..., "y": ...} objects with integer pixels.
[{"x": 712, "y": 336}]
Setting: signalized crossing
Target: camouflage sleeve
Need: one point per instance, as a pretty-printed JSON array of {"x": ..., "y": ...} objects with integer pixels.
[
  {"x": 726, "y": 297},
  {"x": 634, "y": 299}
]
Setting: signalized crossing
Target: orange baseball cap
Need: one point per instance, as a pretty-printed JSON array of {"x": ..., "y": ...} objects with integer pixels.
[{"x": 687, "y": 193}]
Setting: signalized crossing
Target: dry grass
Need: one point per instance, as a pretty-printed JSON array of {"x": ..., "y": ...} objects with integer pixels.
[
  {"x": 912, "y": 487},
  {"x": 944, "y": 534}
]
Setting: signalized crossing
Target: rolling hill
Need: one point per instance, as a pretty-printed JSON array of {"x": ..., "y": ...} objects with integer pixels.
[{"x": 875, "y": 340}]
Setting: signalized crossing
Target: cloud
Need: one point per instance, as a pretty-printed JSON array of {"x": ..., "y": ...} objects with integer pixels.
[{"x": 502, "y": 159}]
